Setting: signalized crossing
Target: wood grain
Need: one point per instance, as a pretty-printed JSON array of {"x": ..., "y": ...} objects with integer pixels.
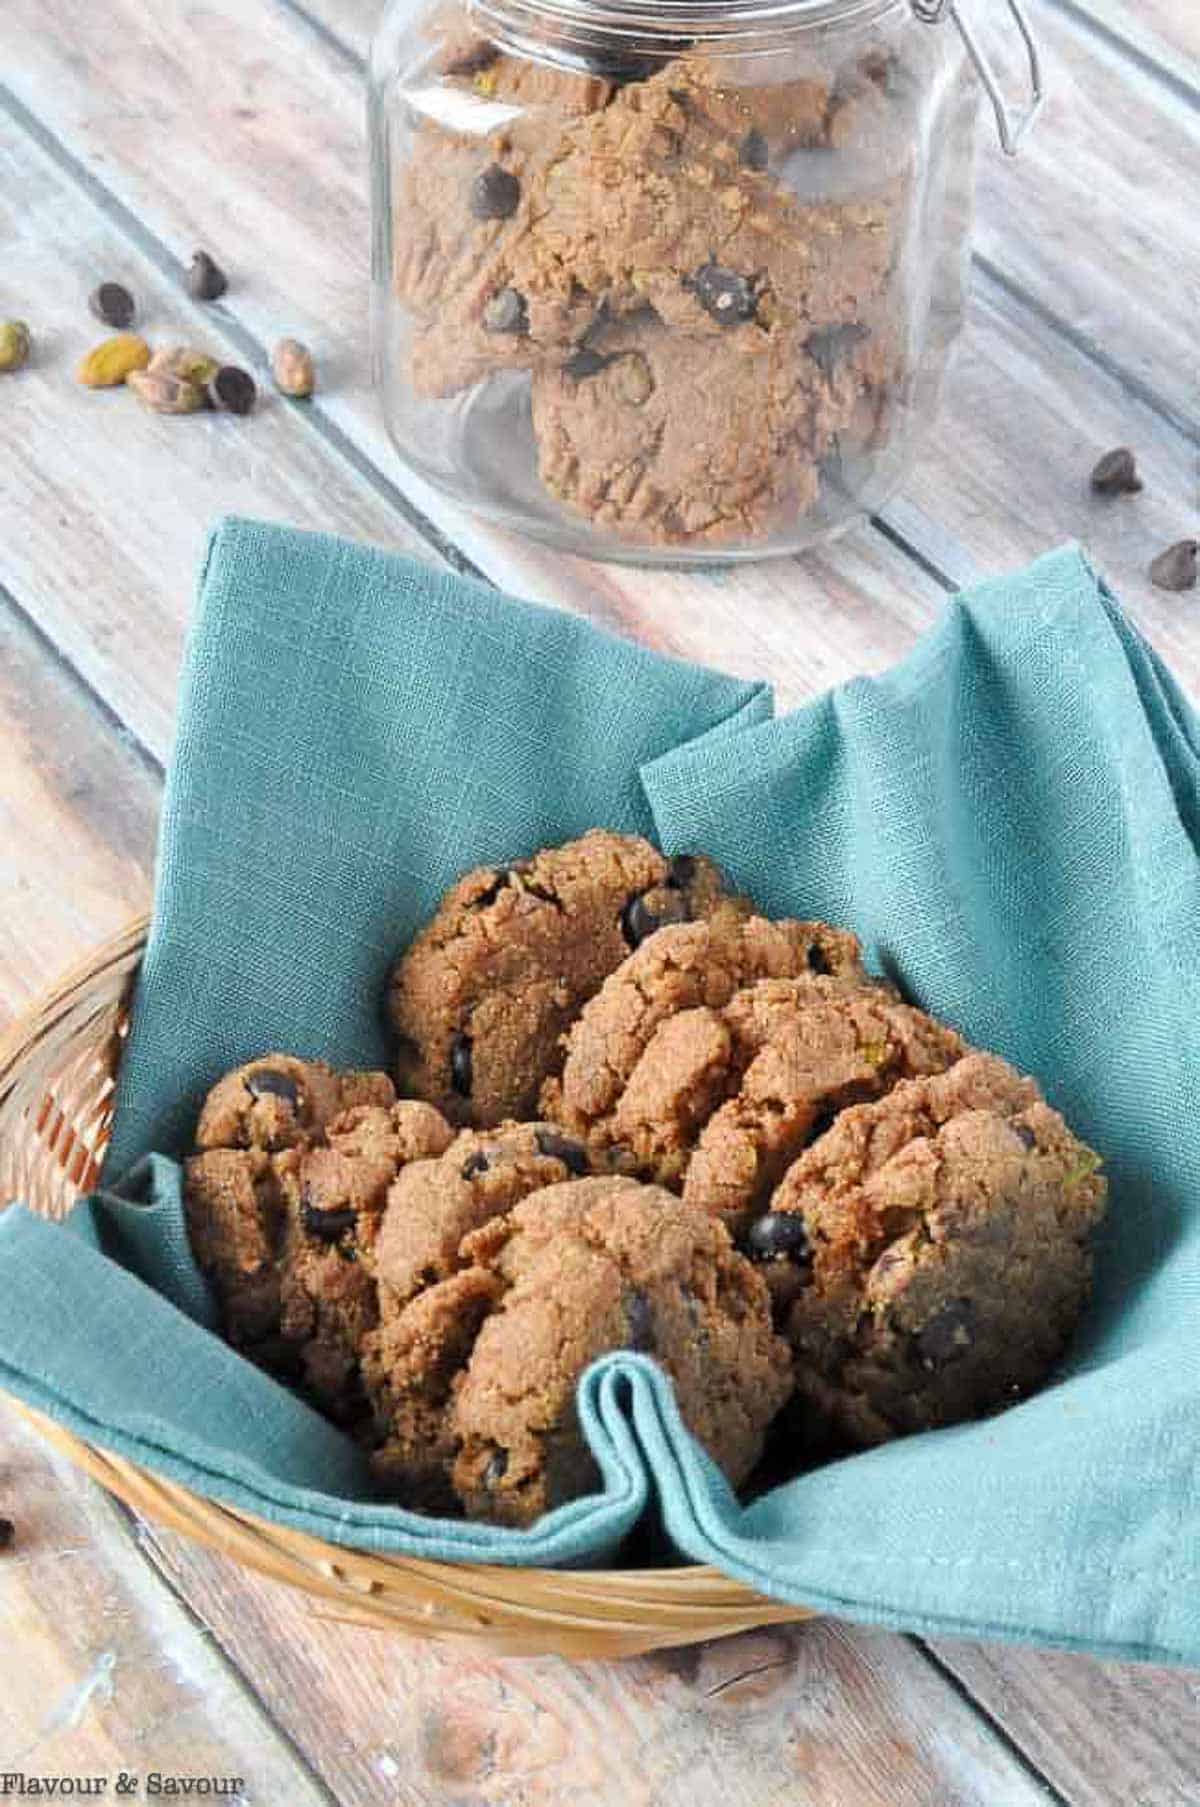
[
  {"x": 78, "y": 810},
  {"x": 104, "y": 1670},
  {"x": 305, "y": 109},
  {"x": 108, "y": 505},
  {"x": 1166, "y": 31},
  {"x": 815, "y": 1716},
  {"x": 1102, "y": 1733}
]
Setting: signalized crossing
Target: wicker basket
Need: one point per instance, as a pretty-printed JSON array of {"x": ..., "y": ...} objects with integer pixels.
[{"x": 57, "y": 1071}]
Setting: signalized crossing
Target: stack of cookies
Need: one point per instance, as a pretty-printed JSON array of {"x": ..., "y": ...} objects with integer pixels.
[{"x": 633, "y": 1114}]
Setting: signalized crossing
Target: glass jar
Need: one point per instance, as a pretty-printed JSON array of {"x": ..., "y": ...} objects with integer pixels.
[{"x": 669, "y": 282}]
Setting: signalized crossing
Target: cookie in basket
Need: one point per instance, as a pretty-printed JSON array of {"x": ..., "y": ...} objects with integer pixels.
[
  {"x": 929, "y": 1254},
  {"x": 481, "y": 998},
  {"x": 286, "y": 1237},
  {"x": 692, "y": 1069},
  {"x": 475, "y": 1379},
  {"x": 280, "y": 1101}
]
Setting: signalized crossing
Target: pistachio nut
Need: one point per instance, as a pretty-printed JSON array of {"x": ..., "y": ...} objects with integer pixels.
[
  {"x": 292, "y": 368},
  {"x": 14, "y": 344},
  {"x": 166, "y": 393},
  {"x": 113, "y": 360},
  {"x": 185, "y": 362}
]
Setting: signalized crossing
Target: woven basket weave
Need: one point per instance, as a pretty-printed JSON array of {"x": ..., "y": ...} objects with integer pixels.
[{"x": 57, "y": 1071}]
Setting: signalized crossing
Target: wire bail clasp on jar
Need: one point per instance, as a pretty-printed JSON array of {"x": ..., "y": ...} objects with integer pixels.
[{"x": 1012, "y": 128}]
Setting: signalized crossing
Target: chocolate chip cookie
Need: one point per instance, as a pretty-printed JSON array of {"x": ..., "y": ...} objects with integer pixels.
[
  {"x": 799, "y": 1051},
  {"x": 434, "y": 1204},
  {"x": 482, "y": 996},
  {"x": 279, "y": 1101},
  {"x": 649, "y": 429},
  {"x": 929, "y": 1255},
  {"x": 287, "y": 1239},
  {"x": 483, "y": 1367},
  {"x": 629, "y": 1053}
]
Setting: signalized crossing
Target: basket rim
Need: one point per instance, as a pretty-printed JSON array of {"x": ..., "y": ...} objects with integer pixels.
[{"x": 623, "y": 1610}]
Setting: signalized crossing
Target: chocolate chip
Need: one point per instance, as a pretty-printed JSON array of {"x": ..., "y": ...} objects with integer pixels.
[
  {"x": 753, "y": 151},
  {"x": 461, "y": 1075},
  {"x": 499, "y": 883},
  {"x": 556, "y": 1147},
  {"x": 637, "y": 921},
  {"x": 497, "y": 1467},
  {"x": 269, "y": 1082},
  {"x": 112, "y": 303},
  {"x": 948, "y": 1336},
  {"x": 584, "y": 363},
  {"x": 776, "y": 1234},
  {"x": 1116, "y": 473},
  {"x": 475, "y": 58},
  {"x": 1175, "y": 569},
  {"x": 8, "y": 1532},
  {"x": 475, "y": 1163},
  {"x": 233, "y": 390},
  {"x": 833, "y": 344},
  {"x": 495, "y": 193},
  {"x": 725, "y": 294},
  {"x": 820, "y": 1125},
  {"x": 639, "y": 1315},
  {"x": 326, "y": 1226},
  {"x": 205, "y": 280},
  {"x": 506, "y": 312},
  {"x": 1024, "y": 1135},
  {"x": 818, "y": 960},
  {"x": 683, "y": 871}
]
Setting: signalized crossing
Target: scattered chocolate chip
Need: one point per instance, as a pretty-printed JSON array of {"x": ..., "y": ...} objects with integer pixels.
[
  {"x": 584, "y": 363},
  {"x": 949, "y": 1334},
  {"x": 497, "y": 1467},
  {"x": 506, "y": 312},
  {"x": 1175, "y": 569},
  {"x": 8, "y": 1532},
  {"x": 205, "y": 280},
  {"x": 833, "y": 344},
  {"x": 728, "y": 296},
  {"x": 233, "y": 390},
  {"x": 556, "y": 1147},
  {"x": 753, "y": 151},
  {"x": 269, "y": 1082},
  {"x": 1116, "y": 473},
  {"x": 478, "y": 56},
  {"x": 1024, "y": 1135},
  {"x": 639, "y": 1315},
  {"x": 461, "y": 1075},
  {"x": 112, "y": 303},
  {"x": 326, "y": 1226},
  {"x": 495, "y": 193},
  {"x": 778, "y": 1233},
  {"x": 475, "y": 1163},
  {"x": 818, "y": 960}
]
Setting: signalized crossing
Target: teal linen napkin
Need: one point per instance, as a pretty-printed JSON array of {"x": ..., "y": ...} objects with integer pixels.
[{"x": 1009, "y": 819}]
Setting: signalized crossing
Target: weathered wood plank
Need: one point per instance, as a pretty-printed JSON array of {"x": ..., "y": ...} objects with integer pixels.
[
  {"x": 107, "y": 504},
  {"x": 1165, "y": 31},
  {"x": 819, "y": 1716},
  {"x": 78, "y": 809},
  {"x": 1088, "y": 219},
  {"x": 1102, "y": 1733},
  {"x": 104, "y": 1670}
]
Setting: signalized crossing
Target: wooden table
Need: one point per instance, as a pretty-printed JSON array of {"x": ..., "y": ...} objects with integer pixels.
[{"x": 131, "y": 133}]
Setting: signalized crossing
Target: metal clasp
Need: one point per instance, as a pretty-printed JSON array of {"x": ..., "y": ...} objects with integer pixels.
[{"x": 1012, "y": 128}]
